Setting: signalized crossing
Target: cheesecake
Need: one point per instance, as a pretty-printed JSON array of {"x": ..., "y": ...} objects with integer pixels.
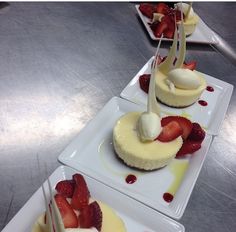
[
  {"x": 179, "y": 97},
  {"x": 77, "y": 211},
  {"x": 134, "y": 152},
  {"x": 111, "y": 222},
  {"x": 177, "y": 86},
  {"x": 191, "y": 19}
]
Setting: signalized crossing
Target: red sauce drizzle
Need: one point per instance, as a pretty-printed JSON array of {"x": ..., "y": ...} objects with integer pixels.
[
  {"x": 210, "y": 89},
  {"x": 168, "y": 197},
  {"x": 130, "y": 179},
  {"x": 202, "y": 103}
]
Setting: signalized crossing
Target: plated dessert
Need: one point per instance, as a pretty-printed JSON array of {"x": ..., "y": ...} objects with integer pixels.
[
  {"x": 146, "y": 141},
  {"x": 80, "y": 212},
  {"x": 177, "y": 84},
  {"x": 163, "y": 18}
]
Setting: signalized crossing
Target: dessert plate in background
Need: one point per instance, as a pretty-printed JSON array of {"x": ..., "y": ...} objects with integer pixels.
[
  {"x": 210, "y": 116},
  {"x": 91, "y": 152},
  {"x": 135, "y": 215},
  {"x": 202, "y": 34}
]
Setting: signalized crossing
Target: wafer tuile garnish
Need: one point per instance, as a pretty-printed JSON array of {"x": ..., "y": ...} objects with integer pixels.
[
  {"x": 148, "y": 125},
  {"x": 53, "y": 216}
]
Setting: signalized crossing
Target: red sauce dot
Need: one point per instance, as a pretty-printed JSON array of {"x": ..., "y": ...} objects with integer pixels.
[
  {"x": 168, "y": 197},
  {"x": 130, "y": 179},
  {"x": 202, "y": 103},
  {"x": 210, "y": 89}
]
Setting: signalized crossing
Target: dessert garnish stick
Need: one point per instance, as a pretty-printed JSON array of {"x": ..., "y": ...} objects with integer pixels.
[
  {"x": 153, "y": 105},
  {"x": 53, "y": 217}
]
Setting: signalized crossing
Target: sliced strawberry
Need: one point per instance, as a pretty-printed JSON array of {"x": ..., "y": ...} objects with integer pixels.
[
  {"x": 144, "y": 81},
  {"x": 169, "y": 33},
  {"x": 154, "y": 25},
  {"x": 170, "y": 132},
  {"x": 68, "y": 215},
  {"x": 66, "y": 188},
  {"x": 197, "y": 133},
  {"x": 169, "y": 20},
  {"x": 162, "y": 8},
  {"x": 191, "y": 65},
  {"x": 184, "y": 123},
  {"x": 81, "y": 193},
  {"x": 188, "y": 147},
  {"x": 161, "y": 27},
  {"x": 91, "y": 216},
  {"x": 147, "y": 10}
]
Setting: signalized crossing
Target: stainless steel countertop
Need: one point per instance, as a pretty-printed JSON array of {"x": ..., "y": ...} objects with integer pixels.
[{"x": 61, "y": 62}]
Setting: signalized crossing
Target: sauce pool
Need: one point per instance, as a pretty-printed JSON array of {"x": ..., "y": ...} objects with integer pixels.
[
  {"x": 130, "y": 179},
  {"x": 202, "y": 103},
  {"x": 168, "y": 197},
  {"x": 210, "y": 89}
]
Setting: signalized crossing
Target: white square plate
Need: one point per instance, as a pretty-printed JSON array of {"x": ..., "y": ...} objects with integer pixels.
[
  {"x": 202, "y": 34},
  {"x": 135, "y": 215},
  {"x": 92, "y": 153},
  {"x": 210, "y": 117}
]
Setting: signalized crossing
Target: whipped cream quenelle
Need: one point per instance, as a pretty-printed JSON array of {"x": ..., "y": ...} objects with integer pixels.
[
  {"x": 175, "y": 85},
  {"x": 149, "y": 126},
  {"x": 191, "y": 19},
  {"x": 184, "y": 78}
]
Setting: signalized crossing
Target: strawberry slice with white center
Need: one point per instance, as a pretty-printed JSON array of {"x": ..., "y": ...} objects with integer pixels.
[
  {"x": 91, "y": 216},
  {"x": 184, "y": 123},
  {"x": 81, "y": 193},
  {"x": 170, "y": 131},
  {"x": 68, "y": 215}
]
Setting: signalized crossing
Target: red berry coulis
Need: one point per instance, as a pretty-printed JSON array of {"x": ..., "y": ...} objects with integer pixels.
[
  {"x": 202, "y": 103},
  {"x": 210, "y": 88},
  {"x": 168, "y": 197},
  {"x": 130, "y": 179}
]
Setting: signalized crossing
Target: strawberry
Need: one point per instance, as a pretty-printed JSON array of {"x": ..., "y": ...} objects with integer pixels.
[
  {"x": 91, "y": 216},
  {"x": 154, "y": 25},
  {"x": 188, "y": 147},
  {"x": 170, "y": 132},
  {"x": 169, "y": 20},
  {"x": 144, "y": 81},
  {"x": 68, "y": 215},
  {"x": 81, "y": 193},
  {"x": 147, "y": 10},
  {"x": 184, "y": 123},
  {"x": 191, "y": 65},
  {"x": 66, "y": 188},
  {"x": 162, "y": 8},
  {"x": 161, "y": 27},
  {"x": 169, "y": 33},
  {"x": 197, "y": 133}
]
